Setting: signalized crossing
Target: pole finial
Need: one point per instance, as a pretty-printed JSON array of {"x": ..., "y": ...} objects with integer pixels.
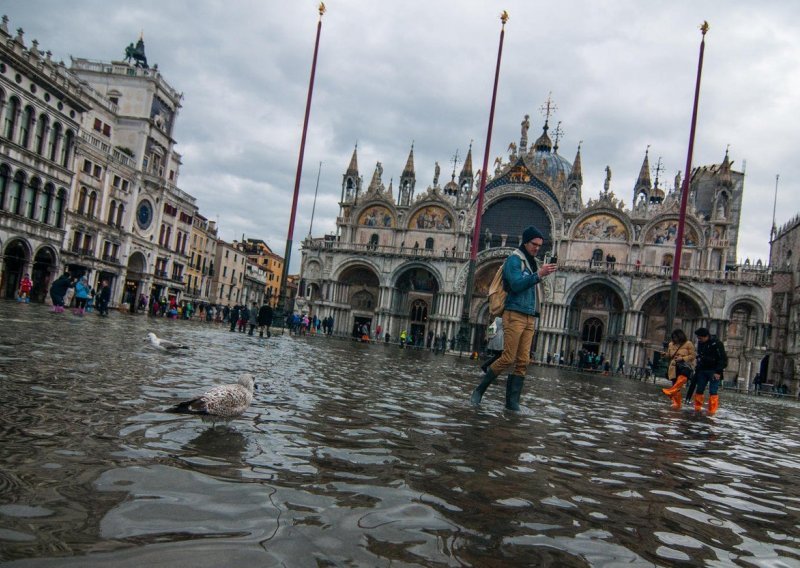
[
  {"x": 504, "y": 17},
  {"x": 322, "y": 9},
  {"x": 704, "y": 27}
]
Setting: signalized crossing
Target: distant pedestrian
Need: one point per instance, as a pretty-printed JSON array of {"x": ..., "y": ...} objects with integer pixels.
[
  {"x": 244, "y": 317},
  {"x": 233, "y": 316},
  {"x": 264, "y": 320},
  {"x": 25, "y": 286},
  {"x": 103, "y": 298},
  {"x": 59, "y": 289},
  {"x": 82, "y": 295},
  {"x": 252, "y": 318}
]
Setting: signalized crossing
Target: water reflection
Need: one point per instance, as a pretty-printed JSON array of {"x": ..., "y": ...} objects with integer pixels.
[{"x": 367, "y": 455}]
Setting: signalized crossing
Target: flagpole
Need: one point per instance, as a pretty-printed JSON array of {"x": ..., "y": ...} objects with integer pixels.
[
  {"x": 464, "y": 332},
  {"x": 288, "y": 253},
  {"x": 676, "y": 265}
]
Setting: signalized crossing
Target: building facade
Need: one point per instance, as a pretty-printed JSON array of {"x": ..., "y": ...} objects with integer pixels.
[
  {"x": 202, "y": 251},
  {"x": 41, "y": 107},
  {"x": 783, "y": 364},
  {"x": 228, "y": 281},
  {"x": 400, "y": 259},
  {"x": 260, "y": 253}
]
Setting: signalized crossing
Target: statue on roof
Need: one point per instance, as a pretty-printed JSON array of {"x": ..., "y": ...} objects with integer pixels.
[
  {"x": 607, "y": 183},
  {"x": 136, "y": 54}
]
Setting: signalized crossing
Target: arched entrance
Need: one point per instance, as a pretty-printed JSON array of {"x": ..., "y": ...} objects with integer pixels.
[
  {"x": 746, "y": 336},
  {"x": 15, "y": 261},
  {"x": 134, "y": 285},
  {"x": 414, "y": 302},
  {"x": 359, "y": 287},
  {"x": 596, "y": 320},
  {"x": 655, "y": 311},
  {"x": 43, "y": 273}
]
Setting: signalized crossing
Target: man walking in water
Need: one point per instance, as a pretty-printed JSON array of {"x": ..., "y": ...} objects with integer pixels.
[{"x": 520, "y": 277}]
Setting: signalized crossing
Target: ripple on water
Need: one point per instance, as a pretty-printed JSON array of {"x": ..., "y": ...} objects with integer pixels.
[{"x": 368, "y": 455}]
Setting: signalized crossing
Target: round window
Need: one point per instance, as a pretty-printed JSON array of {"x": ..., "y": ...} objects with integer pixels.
[{"x": 144, "y": 214}]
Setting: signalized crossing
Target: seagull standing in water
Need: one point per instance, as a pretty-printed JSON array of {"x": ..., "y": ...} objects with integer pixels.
[
  {"x": 223, "y": 402},
  {"x": 164, "y": 344}
]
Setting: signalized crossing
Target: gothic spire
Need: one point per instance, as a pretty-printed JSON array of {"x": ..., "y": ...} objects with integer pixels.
[
  {"x": 576, "y": 174},
  {"x": 353, "y": 167},
  {"x": 644, "y": 172},
  {"x": 467, "y": 169},
  {"x": 725, "y": 171},
  {"x": 409, "y": 169}
]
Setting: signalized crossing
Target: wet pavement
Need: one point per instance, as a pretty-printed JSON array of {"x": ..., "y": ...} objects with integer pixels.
[{"x": 368, "y": 455}]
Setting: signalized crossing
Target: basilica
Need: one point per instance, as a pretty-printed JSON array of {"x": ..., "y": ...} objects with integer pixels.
[{"x": 400, "y": 257}]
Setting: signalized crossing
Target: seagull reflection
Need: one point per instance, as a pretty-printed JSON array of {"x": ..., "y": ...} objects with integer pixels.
[{"x": 220, "y": 442}]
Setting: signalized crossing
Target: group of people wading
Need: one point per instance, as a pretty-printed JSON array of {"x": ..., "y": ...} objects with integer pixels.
[{"x": 698, "y": 367}]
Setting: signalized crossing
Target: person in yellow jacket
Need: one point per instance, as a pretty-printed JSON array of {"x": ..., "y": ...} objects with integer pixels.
[{"x": 682, "y": 357}]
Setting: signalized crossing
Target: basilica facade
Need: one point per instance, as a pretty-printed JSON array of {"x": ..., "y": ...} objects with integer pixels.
[{"x": 400, "y": 257}]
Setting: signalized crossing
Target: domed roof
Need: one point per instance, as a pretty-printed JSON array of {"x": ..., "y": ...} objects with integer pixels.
[
  {"x": 542, "y": 151},
  {"x": 554, "y": 163},
  {"x": 451, "y": 188}
]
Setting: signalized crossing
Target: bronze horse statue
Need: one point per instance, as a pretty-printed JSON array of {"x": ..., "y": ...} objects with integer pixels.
[{"x": 136, "y": 54}]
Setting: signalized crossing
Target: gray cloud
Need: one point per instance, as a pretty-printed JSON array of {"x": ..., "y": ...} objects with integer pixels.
[{"x": 622, "y": 75}]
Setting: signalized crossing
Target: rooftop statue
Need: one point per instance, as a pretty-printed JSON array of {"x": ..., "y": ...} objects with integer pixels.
[{"x": 136, "y": 54}]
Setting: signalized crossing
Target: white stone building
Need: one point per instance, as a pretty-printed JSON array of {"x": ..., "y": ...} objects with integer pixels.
[{"x": 41, "y": 106}]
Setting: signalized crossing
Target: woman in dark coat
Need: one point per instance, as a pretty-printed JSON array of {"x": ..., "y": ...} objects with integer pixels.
[{"x": 59, "y": 289}]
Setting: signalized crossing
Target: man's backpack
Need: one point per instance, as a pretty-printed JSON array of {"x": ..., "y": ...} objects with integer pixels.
[{"x": 497, "y": 289}]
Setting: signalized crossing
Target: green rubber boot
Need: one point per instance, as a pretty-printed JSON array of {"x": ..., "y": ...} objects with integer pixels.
[
  {"x": 513, "y": 391},
  {"x": 477, "y": 394}
]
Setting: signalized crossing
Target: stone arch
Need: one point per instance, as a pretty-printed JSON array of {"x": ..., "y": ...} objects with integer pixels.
[
  {"x": 691, "y": 313},
  {"x": 575, "y": 290},
  {"x": 599, "y": 306},
  {"x": 604, "y": 225},
  {"x": 432, "y": 216},
  {"x": 16, "y": 261},
  {"x": 395, "y": 277},
  {"x": 665, "y": 227},
  {"x": 44, "y": 271},
  {"x": 510, "y": 214},
  {"x": 351, "y": 264},
  {"x": 751, "y": 301}
]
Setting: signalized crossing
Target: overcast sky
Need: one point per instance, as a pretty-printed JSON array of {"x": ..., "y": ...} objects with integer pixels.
[{"x": 621, "y": 74}]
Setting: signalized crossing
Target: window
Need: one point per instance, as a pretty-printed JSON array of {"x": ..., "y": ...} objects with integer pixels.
[
  {"x": 429, "y": 243},
  {"x": 31, "y": 191},
  {"x": 98, "y": 171},
  {"x": 592, "y": 330},
  {"x": 92, "y": 204},
  {"x": 117, "y": 181},
  {"x": 11, "y": 118},
  {"x": 66, "y": 150},
  {"x": 54, "y": 142},
  {"x": 44, "y": 205},
  {"x": 58, "y": 218},
  {"x": 98, "y": 125},
  {"x": 106, "y": 130},
  {"x": 120, "y": 211},
  {"x": 41, "y": 134},
  {"x": 26, "y": 127},
  {"x": 112, "y": 212},
  {"x": 87, "y": 166}
]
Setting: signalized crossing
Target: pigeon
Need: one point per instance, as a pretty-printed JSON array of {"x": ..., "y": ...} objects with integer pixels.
[
  {"x": 222, "y": 402},
  {"x": 164, "y": 344}
]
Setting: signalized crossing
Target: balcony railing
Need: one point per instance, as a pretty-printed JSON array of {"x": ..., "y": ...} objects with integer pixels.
[
  {"x": 161, "y": 274},
  {"x": 741, "y": 276},
  {"x": 177, "y": 278},
  {"x": 410, "y": 252},
  {"x": 111, "y": 258}
]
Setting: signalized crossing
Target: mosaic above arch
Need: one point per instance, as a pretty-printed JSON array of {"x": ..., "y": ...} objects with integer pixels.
[
  {"x": 665, "y": 232},
  {"x": 601, "y": 227},
  {"x": 432, "y": 218},
  {"x": 376, "y": 216}
]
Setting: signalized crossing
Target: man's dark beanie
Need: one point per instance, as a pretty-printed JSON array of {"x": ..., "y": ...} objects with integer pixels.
[
  {"x": 531, "y": 233},
  {"x": 701, "y": 332}
]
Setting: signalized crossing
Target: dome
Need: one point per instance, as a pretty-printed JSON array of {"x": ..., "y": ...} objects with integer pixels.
[{"x": 554, "y": 164}]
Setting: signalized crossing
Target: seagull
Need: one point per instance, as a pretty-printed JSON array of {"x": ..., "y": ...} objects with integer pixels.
[
  {"x": 222, "y": 402},
  {"x": 164, "y": 343}
]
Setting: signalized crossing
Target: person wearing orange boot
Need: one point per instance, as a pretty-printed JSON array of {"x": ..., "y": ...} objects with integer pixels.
[
  {"x": 711, "y": 361},
  {"x": 681, "y": 354}
]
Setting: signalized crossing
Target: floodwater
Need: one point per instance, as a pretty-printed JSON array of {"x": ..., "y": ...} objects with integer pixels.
[{"x": 359, "y": 455}]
